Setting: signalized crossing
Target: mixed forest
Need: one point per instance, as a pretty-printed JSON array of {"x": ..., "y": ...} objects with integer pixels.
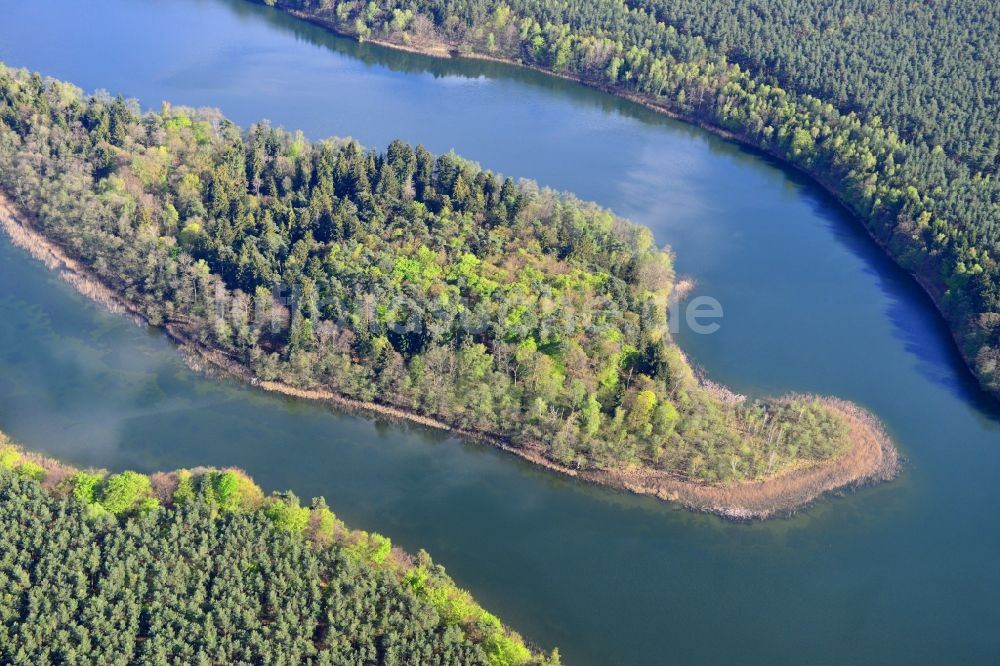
[
  {"x": 889, "y": 105},
  {"x": 199, "y": 567},
  {"x": 399, "y": 278}
]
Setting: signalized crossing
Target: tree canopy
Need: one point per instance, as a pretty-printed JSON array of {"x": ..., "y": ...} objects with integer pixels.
[
  {"x": 892, "y": 106},
  {"x": 404, "y": 278},
  {"x": 198, "y": 567}
]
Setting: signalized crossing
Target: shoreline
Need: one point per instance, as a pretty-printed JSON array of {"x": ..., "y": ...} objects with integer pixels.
[
  {"x": 58, "y": 476},
  {"x": 872, "y": 458},
  {"x": 453, "y": 52}
]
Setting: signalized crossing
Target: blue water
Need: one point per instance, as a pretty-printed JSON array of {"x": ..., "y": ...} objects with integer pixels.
[{"x": 903, "y": 573}]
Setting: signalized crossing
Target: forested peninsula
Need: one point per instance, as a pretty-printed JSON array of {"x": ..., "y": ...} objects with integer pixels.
[
  {"x": 413, "y": 285},
  {"x": 889, "y": 106},
  {"x": 199, "y": 567}
]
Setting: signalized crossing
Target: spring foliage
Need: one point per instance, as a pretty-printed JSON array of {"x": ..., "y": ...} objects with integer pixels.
[
  {"x": 200, "y": 567},
  {"x": 412, "y": 280},
  {"x": 891, "y": 105}
]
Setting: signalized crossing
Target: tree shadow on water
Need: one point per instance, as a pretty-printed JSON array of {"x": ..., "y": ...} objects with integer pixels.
[{"x": 915, "y": 320}]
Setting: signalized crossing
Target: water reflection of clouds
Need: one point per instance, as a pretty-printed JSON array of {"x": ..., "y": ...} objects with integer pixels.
[
  {"x": 460, "y": 81},
  {"x": 67, "y": 390},
  {"x": 665, "y": 189}
]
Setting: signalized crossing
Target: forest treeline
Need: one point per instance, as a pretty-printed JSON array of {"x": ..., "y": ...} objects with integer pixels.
[
  {"x": 199, "y": 567},
  {"x": 892, "y": 106},
  {"x": 403, "y": 278}
]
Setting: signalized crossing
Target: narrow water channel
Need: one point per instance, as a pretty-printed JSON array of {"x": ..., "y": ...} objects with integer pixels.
[{"x": 902, "y": 573}]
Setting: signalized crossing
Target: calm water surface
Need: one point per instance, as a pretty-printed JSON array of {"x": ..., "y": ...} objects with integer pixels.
[{"x": 903, "y": 573}]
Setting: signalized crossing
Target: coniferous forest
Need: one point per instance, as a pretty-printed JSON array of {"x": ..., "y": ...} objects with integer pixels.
[
  {"x": 199, "y": 567},
  {"x": 423, "y": 286},
  {"x": 891, "y": 106},
  {"x": 400, "y": 278}
]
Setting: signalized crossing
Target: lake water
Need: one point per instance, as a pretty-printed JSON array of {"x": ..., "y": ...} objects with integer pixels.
[{"x": 907, "y": 572}]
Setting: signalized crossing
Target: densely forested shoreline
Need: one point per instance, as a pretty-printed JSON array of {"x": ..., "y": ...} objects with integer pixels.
[
  {"x": 401, "y": 279},
  {"x": 198, "y": 566},
  {"x": 904, "y": 136},
  {"x": 870, "y": 458}
]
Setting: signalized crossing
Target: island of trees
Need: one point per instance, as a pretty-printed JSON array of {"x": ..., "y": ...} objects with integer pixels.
[
  {"x": 890, "y": 106},
  {"x": 414, "y": 284},
  {"x": 199, "y": 567}
]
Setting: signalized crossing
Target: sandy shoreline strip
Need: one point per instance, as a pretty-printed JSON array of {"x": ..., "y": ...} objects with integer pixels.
[{"x": 871, "y": 459}]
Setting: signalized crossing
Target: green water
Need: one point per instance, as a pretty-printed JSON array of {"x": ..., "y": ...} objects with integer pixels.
[{"x": 903, "y": 573}]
